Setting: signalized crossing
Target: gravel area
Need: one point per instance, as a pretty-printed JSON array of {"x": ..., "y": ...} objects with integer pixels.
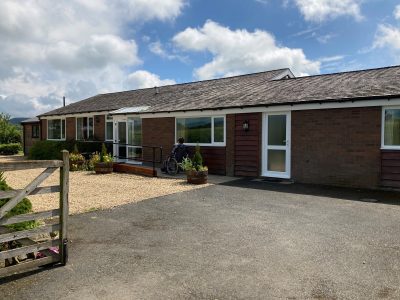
[{"x": 89, "y": 191}]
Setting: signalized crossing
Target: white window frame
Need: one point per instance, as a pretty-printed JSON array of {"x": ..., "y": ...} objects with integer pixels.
[
  {"x": 212, "y": 144},
  {"x": 65, "y": 131},
  {"x": 105, "y": 128},
  {"x": 383, "y": 146},
  {"x": 76, "y": 126}
]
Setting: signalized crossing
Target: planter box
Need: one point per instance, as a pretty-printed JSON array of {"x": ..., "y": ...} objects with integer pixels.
[
  {"x": 77, "y": 163},
  {"x": 197, "y": 177},
  {"x": 103, "y": 168}
]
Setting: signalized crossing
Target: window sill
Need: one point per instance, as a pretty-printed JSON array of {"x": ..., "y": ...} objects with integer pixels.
[
  {"x": 204, "y": 145},
  {"x": 391, "y": 148}
]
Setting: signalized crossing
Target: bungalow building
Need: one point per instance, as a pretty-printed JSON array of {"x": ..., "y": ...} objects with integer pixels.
[{"x": 336, "y": 129}]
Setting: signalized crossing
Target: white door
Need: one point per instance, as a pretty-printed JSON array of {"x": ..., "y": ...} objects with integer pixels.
[{"x": 276, "y": 145}]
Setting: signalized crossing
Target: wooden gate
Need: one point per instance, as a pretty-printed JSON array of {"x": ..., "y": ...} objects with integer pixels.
[{"x": 23, "y": 237}]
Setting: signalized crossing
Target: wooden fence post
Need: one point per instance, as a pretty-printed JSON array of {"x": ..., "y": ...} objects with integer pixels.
[{"x": 64, "y": 183}]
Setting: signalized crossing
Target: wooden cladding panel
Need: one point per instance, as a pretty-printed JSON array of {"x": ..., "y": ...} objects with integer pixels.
[
  {"x": 214, "y": 158},
  {"x": 248, "y": 145},
  {"x": 390, "y": 171}
]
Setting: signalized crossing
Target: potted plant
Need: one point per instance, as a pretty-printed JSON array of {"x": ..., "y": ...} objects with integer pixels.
[
  {"x": 105, "y": 163},
  {"x": 196, "y": 173},
  {"x": 76, "y": 160}
]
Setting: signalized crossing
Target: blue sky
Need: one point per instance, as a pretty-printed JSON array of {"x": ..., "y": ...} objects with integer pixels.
[{"x": 79, "y": 48}]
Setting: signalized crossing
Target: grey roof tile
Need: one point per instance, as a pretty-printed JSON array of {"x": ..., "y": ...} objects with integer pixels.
[{"x": 248, "y": 90}]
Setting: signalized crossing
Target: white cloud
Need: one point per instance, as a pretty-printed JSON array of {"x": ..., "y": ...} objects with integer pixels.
[
  {"x": 98, "y": 52},
  {"x": 396, "y": 12},
  {"x": 387, "y": 36},
  {"x": 331, "y": 58},
  {"x": 143, "y": 79},
  {"x": 240, "y": 51},
  {"x": 69, "y": 47},
  {"x": 322, "y": 10},
  {"x": 157, "y": 48}
]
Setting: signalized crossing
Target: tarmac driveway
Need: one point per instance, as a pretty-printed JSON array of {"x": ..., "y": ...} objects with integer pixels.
[{"x": 241, "y": 240}]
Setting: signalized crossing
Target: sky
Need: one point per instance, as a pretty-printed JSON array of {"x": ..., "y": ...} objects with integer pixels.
[{"x": 80, "y": 48}]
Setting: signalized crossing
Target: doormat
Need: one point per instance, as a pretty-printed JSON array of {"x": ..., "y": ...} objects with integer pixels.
[{"x": 273, "y": 180}]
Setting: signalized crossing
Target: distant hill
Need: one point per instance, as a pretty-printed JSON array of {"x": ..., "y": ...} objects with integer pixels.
[{"x": 17, "y": 121}]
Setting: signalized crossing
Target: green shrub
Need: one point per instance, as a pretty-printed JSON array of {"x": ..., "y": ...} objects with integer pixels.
[
  {"x": 95, "y": 158},
  {"x": 195, "y": 164},
  {"x": 197, "y": 158},
  {"x": 9, "y": 133},
  {"x": 104, "y": 156},
  {"x": 76, "y": 161},
  {"x": 25, "y": 206},
  {"x": 48, "y": 150},
  {"x": 10, "y": 149}
]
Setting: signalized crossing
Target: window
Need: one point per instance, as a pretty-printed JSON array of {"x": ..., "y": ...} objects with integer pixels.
[
  {"x": 56, "y": 129},
  {"x": 84, "y": 128},
  {"x": 391, "y": 128},
  {"x": 201, "y": 130},
  {"x": 109, "y": 128},
  {"x": 35, "y": 131}
]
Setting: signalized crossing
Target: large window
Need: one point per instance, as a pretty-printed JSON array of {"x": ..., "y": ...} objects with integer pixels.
[
  {"x": 391, "y": 128},
  {"x": 109, "y": 128},
  {"x": 84, "y": 128},
  {"x": 202, "y": 130},
  {"x": 56, "y": 129}
]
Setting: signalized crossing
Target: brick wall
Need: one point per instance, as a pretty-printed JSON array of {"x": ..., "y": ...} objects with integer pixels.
[
  {"x": 70, "y": 131},
  {"x": 247, "y": 160},
  {"x": 158, "y": 132},
  {"x": 28, "y": 141},
  {"x": 99, "y": 127},
  {"x": 161, "y": 132},
  {"x": 43, "y": 129},
  {"x": 337, "y": 146}
]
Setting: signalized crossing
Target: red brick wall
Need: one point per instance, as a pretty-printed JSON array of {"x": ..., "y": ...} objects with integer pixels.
[
  {"x": 247, "y": 160},
  {"x": 161, "y": 132},
  {"x": 158, "y": 132},
  {"x": 99, "y": 127},
  {"x": 28, "y": 141},
  {"x": 70, "y": 131},
  {"x": 390, "y": 168},
  {"x": 43, "y": 129},
  {"x": 337, "y": 146}
]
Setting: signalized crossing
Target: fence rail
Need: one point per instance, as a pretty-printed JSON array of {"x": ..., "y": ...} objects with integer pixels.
[{"x": 16, "y": 196}]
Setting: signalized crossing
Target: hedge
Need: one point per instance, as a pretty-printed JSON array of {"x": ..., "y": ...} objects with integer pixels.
[
  {"x": 10, "y": 149},
  {"x": 52, "y": 149}
]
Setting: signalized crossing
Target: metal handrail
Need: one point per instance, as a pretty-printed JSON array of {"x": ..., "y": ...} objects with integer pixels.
[{"x": 153, "y": 148}]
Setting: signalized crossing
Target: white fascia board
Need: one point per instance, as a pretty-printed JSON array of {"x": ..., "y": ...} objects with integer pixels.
[
  {"x": 264, "y": 108},
  {"x": 78, "y": 115}
]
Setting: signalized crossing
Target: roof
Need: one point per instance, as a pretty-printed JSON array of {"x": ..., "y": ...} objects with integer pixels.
[
  {"x": 258, "y": 89},
  {"x": 30, "y": 120}
]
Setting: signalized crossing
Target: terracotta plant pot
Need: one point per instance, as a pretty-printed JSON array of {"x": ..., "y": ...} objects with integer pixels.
[
  {"x": 197, "y": 177},
  {"x": 103, "y": 168}
]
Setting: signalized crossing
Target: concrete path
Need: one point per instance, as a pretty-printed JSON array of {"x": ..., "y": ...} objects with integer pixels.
[{"x": 240, "y": 240}]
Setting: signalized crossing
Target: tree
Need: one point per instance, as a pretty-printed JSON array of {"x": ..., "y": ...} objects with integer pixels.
[{"x": 9, "y": 133}]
